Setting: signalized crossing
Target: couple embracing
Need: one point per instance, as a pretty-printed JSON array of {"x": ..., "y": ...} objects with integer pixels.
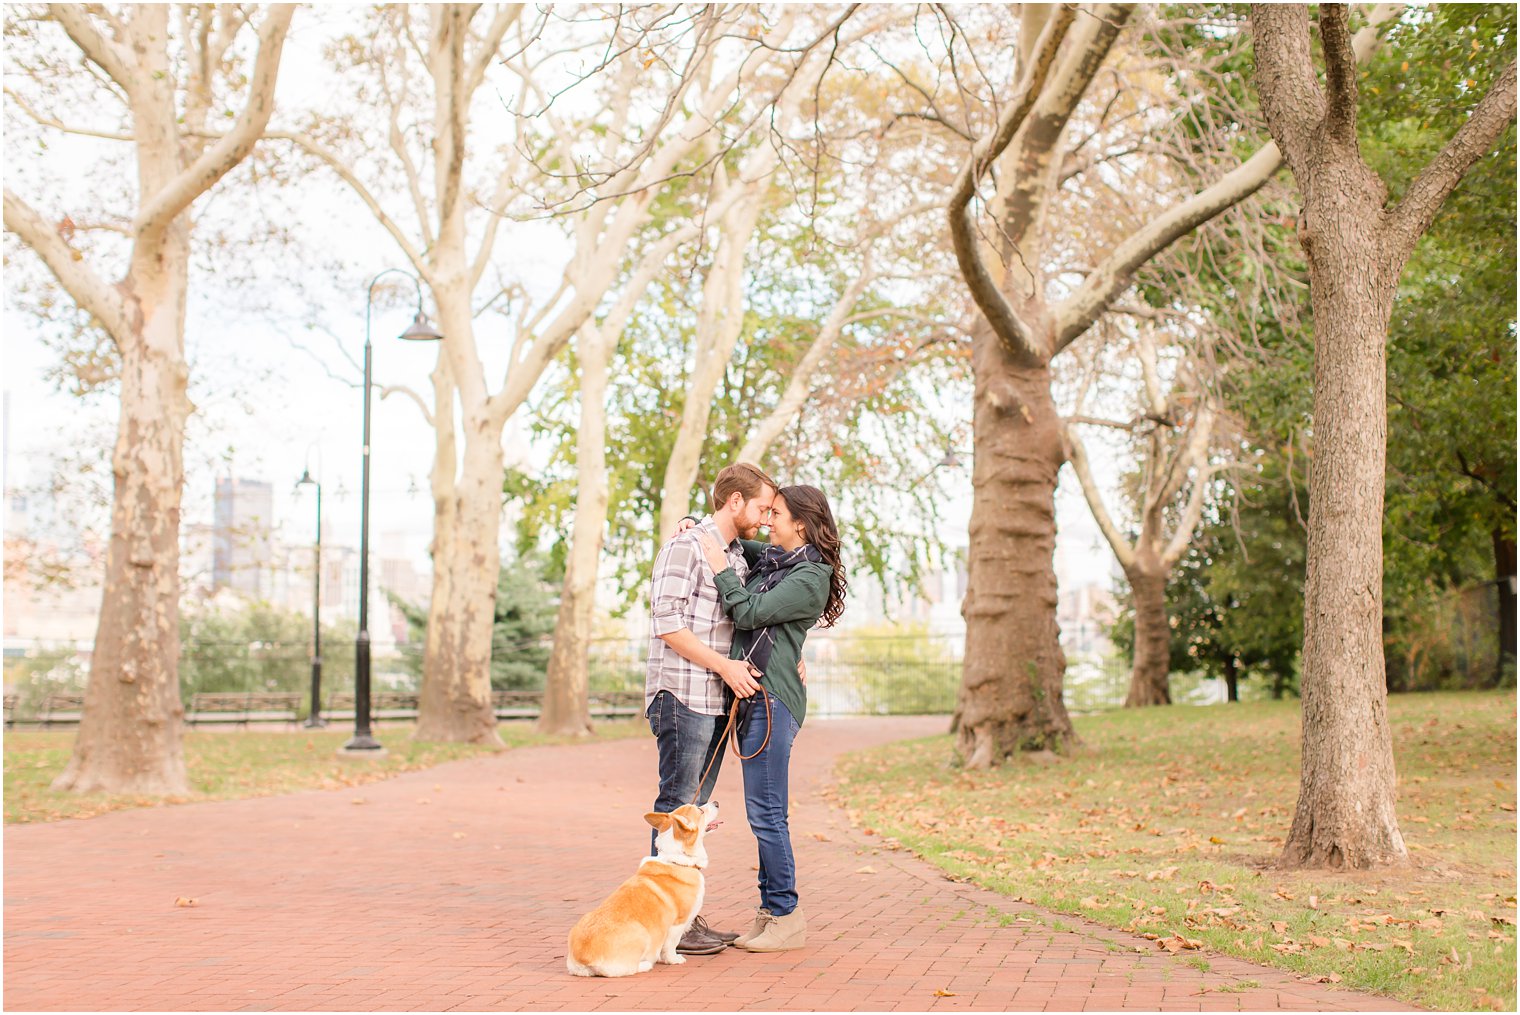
[{"x": 728, "y": 619}]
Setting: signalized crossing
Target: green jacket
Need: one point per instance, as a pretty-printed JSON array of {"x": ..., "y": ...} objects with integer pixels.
[{"x": 791, "y": 608}]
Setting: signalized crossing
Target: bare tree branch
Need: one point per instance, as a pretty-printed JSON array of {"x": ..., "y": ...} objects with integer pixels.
[
  {"x": 1417, "y": 210},
  {"x": 347, "y": 175},
  {"x": 1340, "y": 74},
  {"x": 107, "y": 54},
  {"x": 214, "y": 163},
  {"x": 1077, "y": 455},
  {"x": 1014, "y": 333},
  {"x": 93, "y": 294}
]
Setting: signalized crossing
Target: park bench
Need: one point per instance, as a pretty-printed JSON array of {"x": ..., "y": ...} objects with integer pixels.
[
  {"x": 517, "y": 704},
  {"x": 243, "y": 708},
  {"x": 10, "y": 710},
  {"x": 61, "y": 708},
  {"x": 616, "y": 704},
  {"x": 602, "y": 704},
  {"x": 382, "y": 705}
]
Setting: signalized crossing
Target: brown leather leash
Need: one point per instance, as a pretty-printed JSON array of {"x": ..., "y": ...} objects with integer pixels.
[{"x": 733, "y": 730}]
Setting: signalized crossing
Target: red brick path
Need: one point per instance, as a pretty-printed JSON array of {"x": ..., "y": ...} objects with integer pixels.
[{"x": 455, "y": 887}]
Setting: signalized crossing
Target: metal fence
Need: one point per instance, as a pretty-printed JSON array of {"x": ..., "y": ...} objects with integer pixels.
[{"x": 846, "y": 675}]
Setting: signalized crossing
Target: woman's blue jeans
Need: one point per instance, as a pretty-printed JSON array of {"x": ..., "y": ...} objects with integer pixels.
[{"x": 766, "y": 803}]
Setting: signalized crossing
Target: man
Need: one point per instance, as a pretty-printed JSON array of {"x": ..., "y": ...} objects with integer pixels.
[{"x": 684, "y": 687}]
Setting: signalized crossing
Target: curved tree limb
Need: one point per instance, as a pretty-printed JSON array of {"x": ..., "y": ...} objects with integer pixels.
[
  {"x": 312, "y": 147},
  {"x": 1011, "y": 330},
  {"x": 93, "y": 294},
  {"x": 401, "y": 389},
  {"x": 1417, "y": 210},
  {"x": 107, "y": 54},
  {"x": 218, "y": 160},
  {"x": 1077, "y": 455},
  {"x": 1110, "y": 279}
]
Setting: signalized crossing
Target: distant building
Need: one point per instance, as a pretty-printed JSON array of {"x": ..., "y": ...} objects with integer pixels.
[{"x": 242, "y": 541}]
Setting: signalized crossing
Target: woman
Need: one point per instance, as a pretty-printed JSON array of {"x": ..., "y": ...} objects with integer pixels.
[{"x": 798, "y": 581}]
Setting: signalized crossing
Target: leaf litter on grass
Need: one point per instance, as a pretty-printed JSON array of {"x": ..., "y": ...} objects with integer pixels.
[{"x": 1171, "y": 830}]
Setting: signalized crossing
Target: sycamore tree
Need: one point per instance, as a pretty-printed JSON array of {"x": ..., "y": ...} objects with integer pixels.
[
  {"x": 1047, "y": 111},
  {"x": 1173, "y": 437},
  {"x": 177, "y": 95},
  {"x": 1356, "y": 243},
  {"x": 501, "y": 114}
]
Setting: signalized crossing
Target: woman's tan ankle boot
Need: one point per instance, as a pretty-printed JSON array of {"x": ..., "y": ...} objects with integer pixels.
[
  {"x": 781, "y": 933},
  {"x": 762, "y": 917}
]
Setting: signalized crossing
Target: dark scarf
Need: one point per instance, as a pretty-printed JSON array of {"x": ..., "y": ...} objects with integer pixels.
[{"x": 774, "y": 565}]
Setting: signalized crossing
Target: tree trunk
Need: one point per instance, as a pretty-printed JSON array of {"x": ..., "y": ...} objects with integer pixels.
[
  {"x": 566, "y": 709},
  {"x": 130, "y": 735},
  {"x": 1231, "y": 679},
  {"x": 455, "y": 703},
  {"x": 1148, "y": 681},
  {"x": 719, "y": 324},
  {"x": 1345, "y": 815},
  {"x": 1504, "y": 575},
  {"x": 1010, "y": 699}
]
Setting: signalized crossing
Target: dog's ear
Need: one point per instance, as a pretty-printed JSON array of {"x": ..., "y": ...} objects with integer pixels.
[
  {"x": 684, "y": 820},
  {"x": 659, "y": 821}
]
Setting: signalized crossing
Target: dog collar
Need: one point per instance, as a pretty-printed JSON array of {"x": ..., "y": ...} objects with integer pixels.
[{"x": 677, "y": 861}]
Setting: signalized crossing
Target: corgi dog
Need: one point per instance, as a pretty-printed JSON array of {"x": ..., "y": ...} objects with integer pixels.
[{"x": 643, "y": 919}]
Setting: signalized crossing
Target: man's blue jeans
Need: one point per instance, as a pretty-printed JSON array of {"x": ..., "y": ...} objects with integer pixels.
[
  {"x": 687, "y": 742},
  {"x": 766, "y": 802}
]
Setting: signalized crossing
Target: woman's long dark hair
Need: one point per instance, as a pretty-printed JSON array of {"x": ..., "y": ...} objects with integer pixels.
[{"x": 809, "y": 506}]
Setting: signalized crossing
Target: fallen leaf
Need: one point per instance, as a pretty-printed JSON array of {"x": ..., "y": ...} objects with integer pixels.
[
  {"x": 820, "y": 837},
  {"x": 184, "y": 903},
  {"x": 459, "y": 835},
  {"x": 866, "y": 870},
  {"x": 945, "y": 993}
]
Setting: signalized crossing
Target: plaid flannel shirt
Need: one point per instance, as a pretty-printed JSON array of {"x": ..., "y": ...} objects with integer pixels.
[{"x": 682, "y": 594}]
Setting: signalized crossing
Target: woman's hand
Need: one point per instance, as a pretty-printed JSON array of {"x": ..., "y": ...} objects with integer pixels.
[
  {"x": 716, "y": 558},
  {"x": 681, "y": 526}
]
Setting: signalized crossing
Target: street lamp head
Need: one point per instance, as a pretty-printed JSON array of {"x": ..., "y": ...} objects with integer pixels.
[
  {"x": 305, "y": 478},
  {"x": 421, "y": 330}
]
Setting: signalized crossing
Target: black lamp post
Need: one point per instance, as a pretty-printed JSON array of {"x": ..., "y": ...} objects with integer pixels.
[
  {"x": 315, "y": 720},
  {"x": 363, "y": 742}
]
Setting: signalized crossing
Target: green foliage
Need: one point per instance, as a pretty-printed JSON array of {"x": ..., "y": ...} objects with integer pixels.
[
  {"x": 1450, "y": 488},
  {"x": 57, "y": 670},
  {"x": 896, "y": 669},
  {"x": 260, "y": 648},
  {"x": 526, "y": 603},
  {"x": 868, "y": 407}
]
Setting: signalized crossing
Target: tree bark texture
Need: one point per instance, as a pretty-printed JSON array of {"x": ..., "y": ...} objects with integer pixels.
[
  {"x": 566, "y": 708},
  {"x": 1355, "y": 246},
  {"x": 1148, "y": 679},
  {"x": 1231, "y": 679},
  {"x": 130, "y": 735},
  {"x": 1345, "y": 815},
  {"x": 1010, "y": 698},
  {"x": 1504, "y": 568},
  {"x": 455, "y": 703},
  {"x": 129, "y": 738}
]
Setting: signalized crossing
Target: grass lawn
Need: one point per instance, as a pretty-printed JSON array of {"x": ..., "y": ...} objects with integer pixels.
[
  {"x": 1168, "y": 821},
  {"x": 226, "y": 765}
]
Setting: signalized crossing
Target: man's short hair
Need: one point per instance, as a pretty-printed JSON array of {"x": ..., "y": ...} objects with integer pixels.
[{"x": 743, "y": 478}]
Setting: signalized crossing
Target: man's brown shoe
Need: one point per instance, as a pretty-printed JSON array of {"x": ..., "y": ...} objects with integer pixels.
[
  {"x": 697, "y": 942},
  {"x": 726, "y": 937}
]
